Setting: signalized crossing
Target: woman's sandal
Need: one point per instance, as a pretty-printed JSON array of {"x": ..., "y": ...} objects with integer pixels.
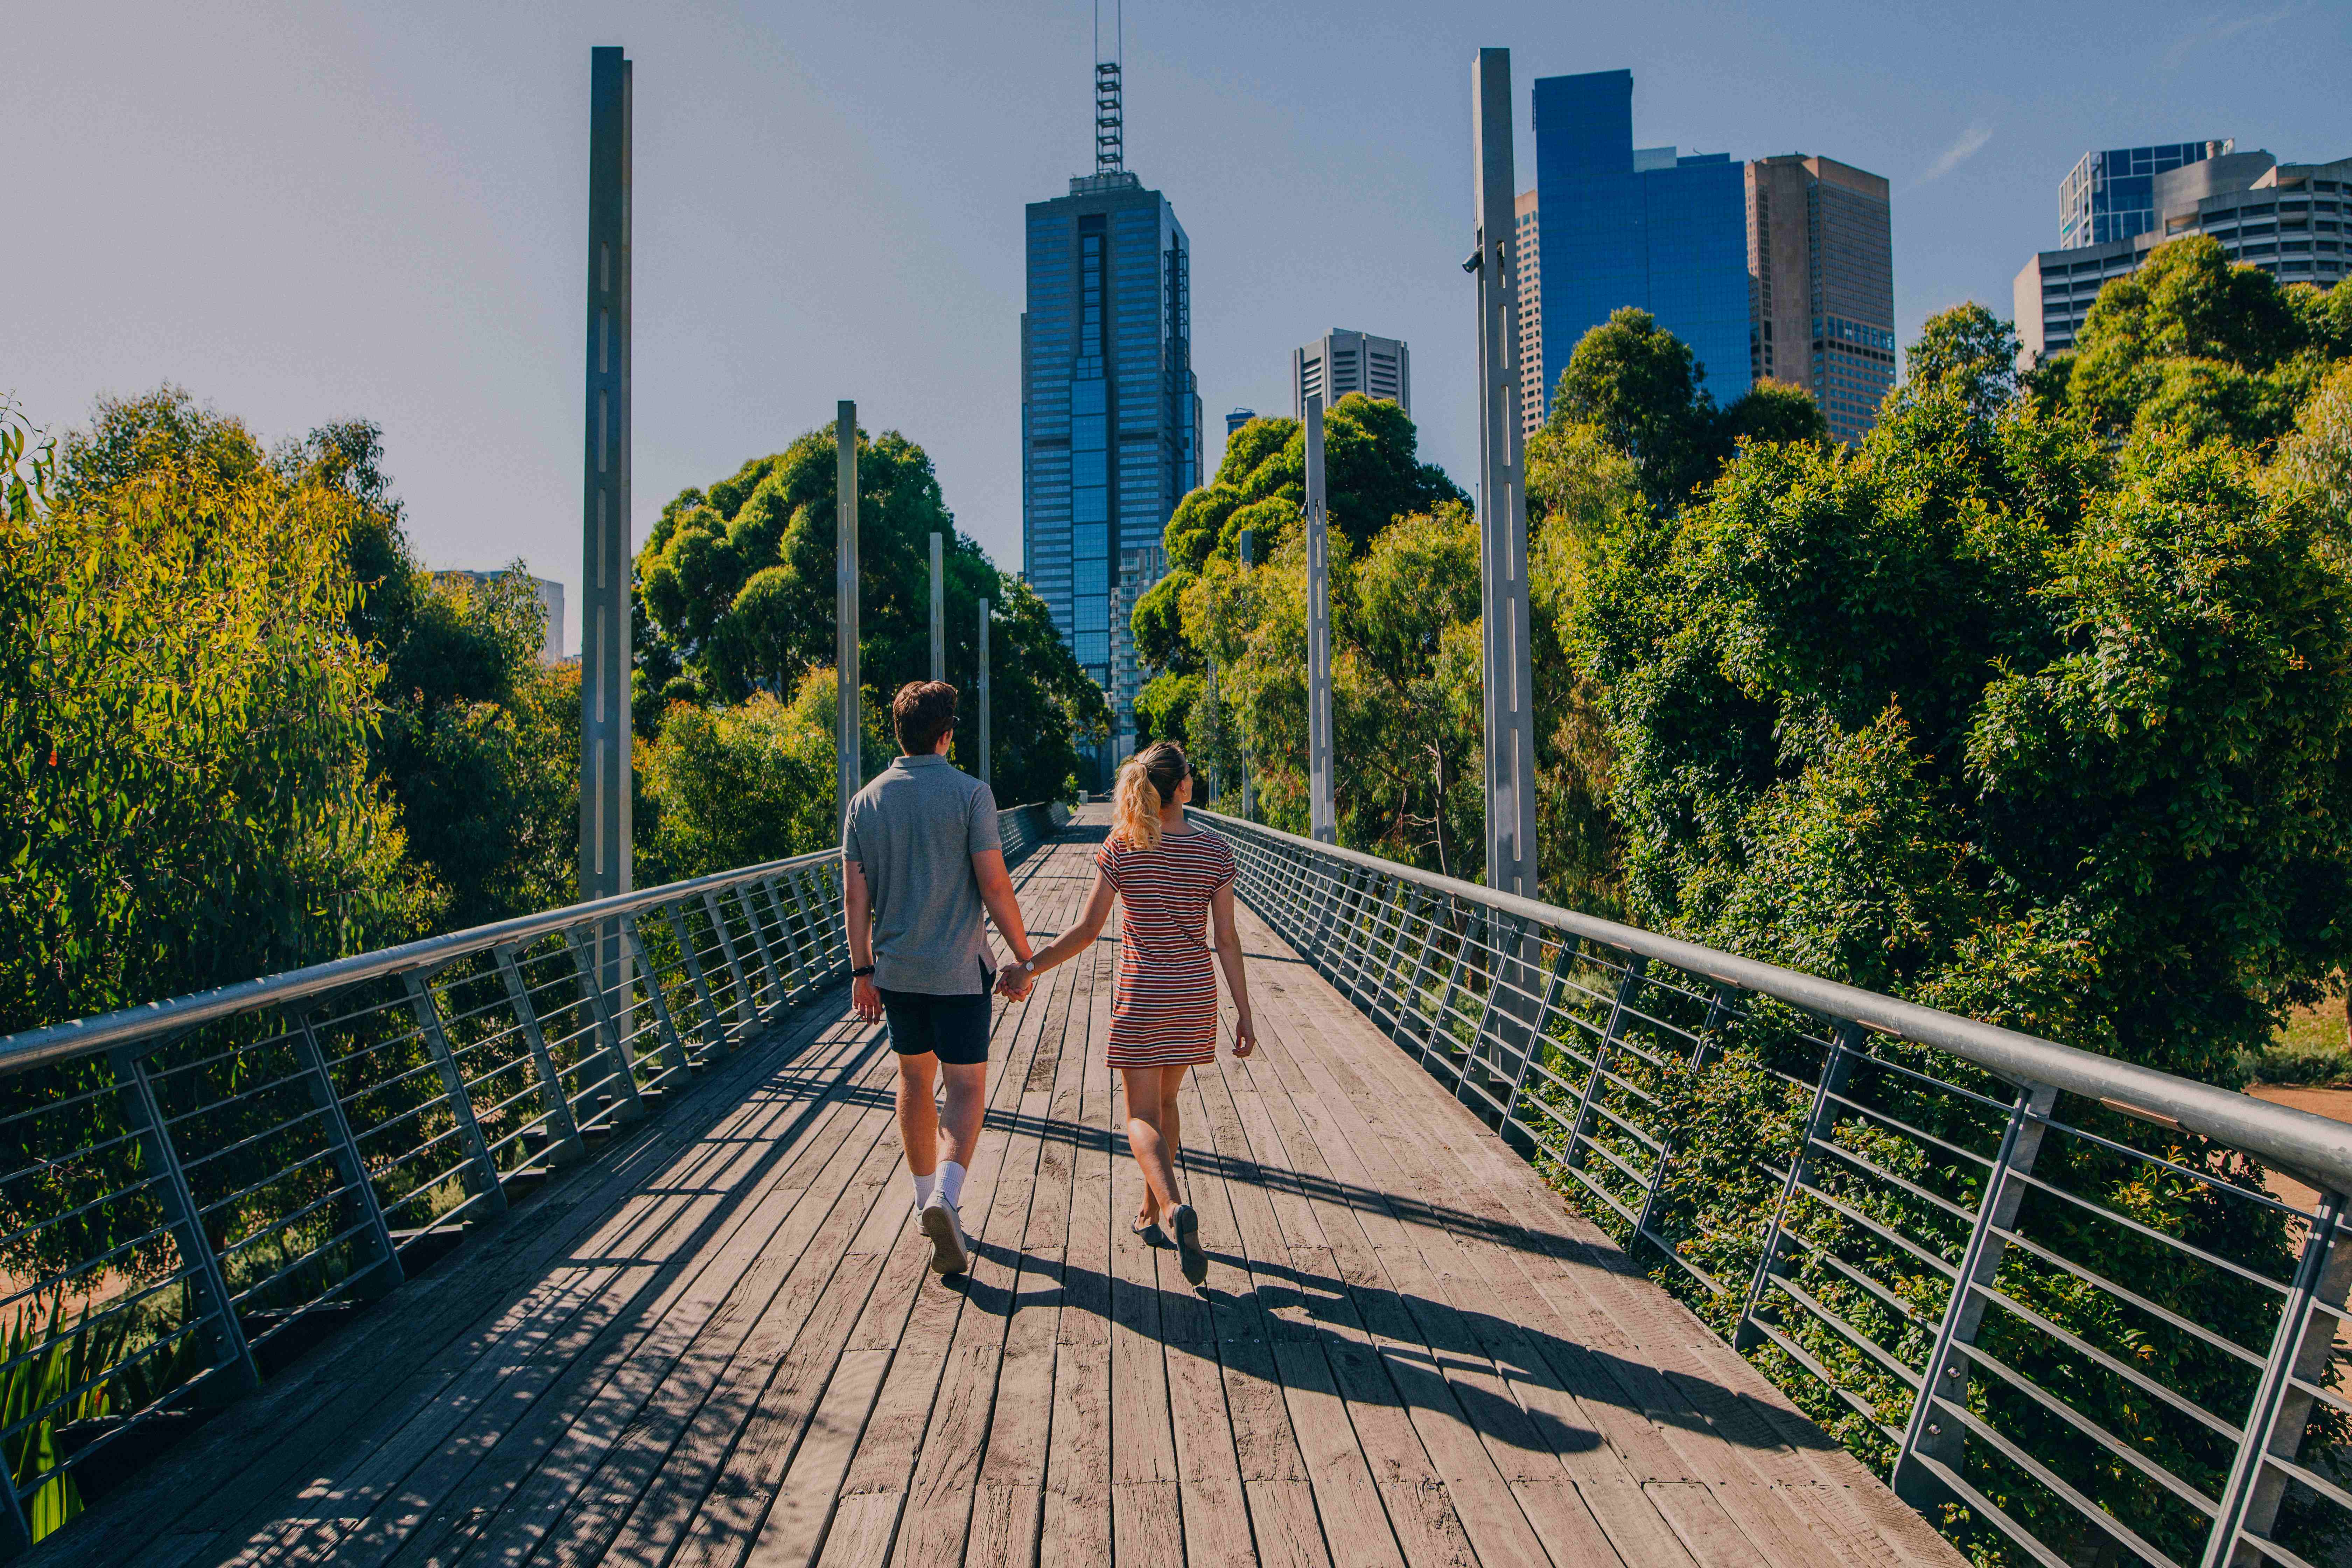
[
  {"x": 1148, "y": 1232},
  {"x": 1191, "y": 1257}
]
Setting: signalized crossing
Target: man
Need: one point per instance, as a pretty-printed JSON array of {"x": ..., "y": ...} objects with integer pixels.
[{"x": 920, "y": 861}]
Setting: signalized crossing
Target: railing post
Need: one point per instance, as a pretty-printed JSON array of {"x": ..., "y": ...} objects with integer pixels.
[
  {"x": 1408, "y": 1002},
  {"x": 759, "y": 938},
  {"x": 1336, "y": 887},
  {"x": 804, "y": 976},
  {"x": 1818, "y": 1122},
  {"x": 1454, "y": 984},
  {"x": 820, "y": 934},
  {"x": 621, "y": 1072},
  {"x": 1407, "y": 894},
  {"x": 2300, "y": 1351},
  {"x": 386, "y": 1272},
  {"x": 483, "y": 1179},
  {"x": 1629, "y": 985},
  {"x": 232, "y": 1356},
  {"x": 1535, "y": 1042},
  {"x": 673, "y": 1047},
  {"x": 1718, "y": 1009},
  {"x": 1946, "y": 1374},
  {"x": 1476, "y": 1059},
  {"x": 751, "y": 1018},
  {"x": 563, "y": 1144}
]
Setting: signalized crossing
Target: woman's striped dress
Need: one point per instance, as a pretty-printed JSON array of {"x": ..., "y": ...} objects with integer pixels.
[{"x": 1164, "y": 1011}]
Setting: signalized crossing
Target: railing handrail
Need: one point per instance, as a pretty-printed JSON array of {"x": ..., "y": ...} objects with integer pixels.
[
  {"x": 2299, "y": 1141},
  {"x": 86, "y": 1036}
]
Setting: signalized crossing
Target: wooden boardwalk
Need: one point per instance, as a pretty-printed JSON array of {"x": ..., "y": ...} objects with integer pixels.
[{"x": 718, "y": 1343}]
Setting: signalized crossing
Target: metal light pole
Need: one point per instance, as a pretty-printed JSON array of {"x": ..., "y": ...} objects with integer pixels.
[
  {"x": 983, "y": 770},
  {"x": 1502, "y": 504},
  {"x": 939, "y": 616},
  {"x": 1322, "y": 821},
  {"x": 1249, "y": 774},
  {"x": 604, "y": 643},
  {"x": 848, "y": 741}
]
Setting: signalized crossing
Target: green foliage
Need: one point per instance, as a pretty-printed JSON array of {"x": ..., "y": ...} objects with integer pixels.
[
  {"x": 738, "y": 591},
  {"x": 1371, "y": 473},
  {"x": 739, "y": 785},
  {"x": 1638, "y": 387},
  {"x": 2208, "y": 351},
  {"x": 2025, "y": 728},
  {"x": 184, "y": 725}
]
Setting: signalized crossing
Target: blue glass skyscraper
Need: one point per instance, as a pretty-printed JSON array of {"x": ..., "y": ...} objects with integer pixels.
[
  {"x": 1110, "y": 413},
  {"x": 1622, "y": 225},
  {"x": 2111, "y": 196}
]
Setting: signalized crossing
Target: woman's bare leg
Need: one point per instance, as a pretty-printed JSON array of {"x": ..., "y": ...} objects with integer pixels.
[
  {"x": 1171, "y": 1139},
  {"x": 1146, "y": 1109}
]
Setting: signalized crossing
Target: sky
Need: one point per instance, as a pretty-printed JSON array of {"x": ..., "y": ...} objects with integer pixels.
[{"x": 305, "y": 212}]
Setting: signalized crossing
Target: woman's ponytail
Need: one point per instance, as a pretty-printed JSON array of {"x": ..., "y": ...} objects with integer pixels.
[{"x": 1146, "y": 784}]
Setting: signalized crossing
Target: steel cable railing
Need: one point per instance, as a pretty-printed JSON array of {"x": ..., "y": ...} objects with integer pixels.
[
  {"x": 2076, "y": 1310},
  {"x": 190, "y": 1191}
]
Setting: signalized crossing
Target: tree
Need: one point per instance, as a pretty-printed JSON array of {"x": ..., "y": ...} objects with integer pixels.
[
  {"x": 738, "y": 594},
  {"x": 2015, "y": 722},
  {"x": 739, "y": 785},
  {"x": 185, "y": 722}
]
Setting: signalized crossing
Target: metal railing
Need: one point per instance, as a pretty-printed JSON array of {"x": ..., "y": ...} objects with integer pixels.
[
  {"x": 2077, "y": 1311},
  {"x": 191, "y": 1191}
]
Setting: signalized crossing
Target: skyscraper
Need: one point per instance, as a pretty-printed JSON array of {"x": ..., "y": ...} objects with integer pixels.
[
  {"x": 1236, "y": 419},
  {"x": 1527, "y": 265},
  {"x": 1820, "y": 264},
  {"x": 1341, "y": 362},
  {"x": 2111, "y": 196},
  {"x": 1110, "y": 415},
  {"x": 1622, "y": 225}
]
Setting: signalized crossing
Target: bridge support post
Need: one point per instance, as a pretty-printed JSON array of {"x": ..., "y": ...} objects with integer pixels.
[
  {"x": 1946, "y": 1379},
  {"x": 207, "y": 1281},
  {"x": 565, "y": 1147},
  {"x": 759, "y": 936},
  {"x": 386, "y": 1272},
  {"x": 848, "y": 739},
  {"x": 981, "y": 773},
  {"x": 734, "y": 963},
  {"x": 604, "y": 637},
  {"x": 482, "y": 1169},
  {"x": 620, "y": 1070},
  {"x": 1835, "y": 1065},
  {"x": 673, "y": 1048},
  {"x": 939, "y": 614},
  {"x": 1323, "y": 823}
]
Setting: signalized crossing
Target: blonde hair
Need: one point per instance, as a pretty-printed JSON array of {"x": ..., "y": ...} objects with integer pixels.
[{"x": 1147, "y": 782}]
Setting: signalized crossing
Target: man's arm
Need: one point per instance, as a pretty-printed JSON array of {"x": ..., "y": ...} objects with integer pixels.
[
  {"x": 857, "y": 914},
  {"x": 1004, "y": 907}
]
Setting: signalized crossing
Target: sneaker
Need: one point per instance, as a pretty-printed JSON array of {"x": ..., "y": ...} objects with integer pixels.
[
  {"x": 1190, "y": 1258},
  {"x": 950, "y": 1253}
]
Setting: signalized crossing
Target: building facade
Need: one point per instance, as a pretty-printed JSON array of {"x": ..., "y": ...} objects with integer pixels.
[
  {"x": 1527, "y": 269},
  {"x": 2292, "y": 220},
  {"x": 1341, "y": 362},
  {"x": 1140, "y": 568},
  {"x": 1110, "y": 413},
  {"x": 1236, "y": 419},
  {"x": 2111, "y": 196},
  {"x": 1646, "y": 226},
  {"x": 551, "y": 604},
  {"x": 1821, "y": 270}
]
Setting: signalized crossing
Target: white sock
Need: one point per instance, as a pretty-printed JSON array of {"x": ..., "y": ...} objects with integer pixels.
[
  {"x": 922, "y": 1187},
  {"x": 948, "y": 1183}
]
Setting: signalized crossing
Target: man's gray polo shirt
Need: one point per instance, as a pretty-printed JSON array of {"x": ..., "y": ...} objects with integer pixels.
[{"x": 913, "y": 831}]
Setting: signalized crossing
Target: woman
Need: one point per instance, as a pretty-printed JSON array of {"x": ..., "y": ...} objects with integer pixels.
[{"x": 1163, "y": 1018}]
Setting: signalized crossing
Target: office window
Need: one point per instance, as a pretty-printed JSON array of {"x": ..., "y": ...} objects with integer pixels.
[{"x": 1090, "y": 576}]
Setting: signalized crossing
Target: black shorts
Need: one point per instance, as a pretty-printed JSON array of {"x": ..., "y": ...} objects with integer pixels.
[{"x": 953, "y": 1028}]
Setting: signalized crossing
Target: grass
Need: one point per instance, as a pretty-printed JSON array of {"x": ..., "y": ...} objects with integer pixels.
[{"x": 2310, "y": 1048}]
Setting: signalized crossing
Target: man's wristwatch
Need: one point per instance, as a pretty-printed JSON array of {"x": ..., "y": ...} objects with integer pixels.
[{"x": 861, "y": 973}]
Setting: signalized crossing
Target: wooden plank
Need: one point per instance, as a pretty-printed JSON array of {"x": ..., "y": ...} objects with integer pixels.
[
  {"x": 803, "y": 1507},
  {"x": 1076, "y": 1525}
]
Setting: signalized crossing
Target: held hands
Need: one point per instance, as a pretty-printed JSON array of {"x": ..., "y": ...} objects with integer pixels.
[
  {"x": 865, "y": 1000},
  {"x": 1015, "y": 982}
]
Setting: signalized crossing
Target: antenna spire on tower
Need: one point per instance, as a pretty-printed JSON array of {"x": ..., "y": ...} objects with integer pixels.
[{"x": 1110, "y": 114}]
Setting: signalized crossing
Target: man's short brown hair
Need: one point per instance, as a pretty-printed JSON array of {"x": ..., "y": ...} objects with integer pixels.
[{"x": 921, "y": 713}]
